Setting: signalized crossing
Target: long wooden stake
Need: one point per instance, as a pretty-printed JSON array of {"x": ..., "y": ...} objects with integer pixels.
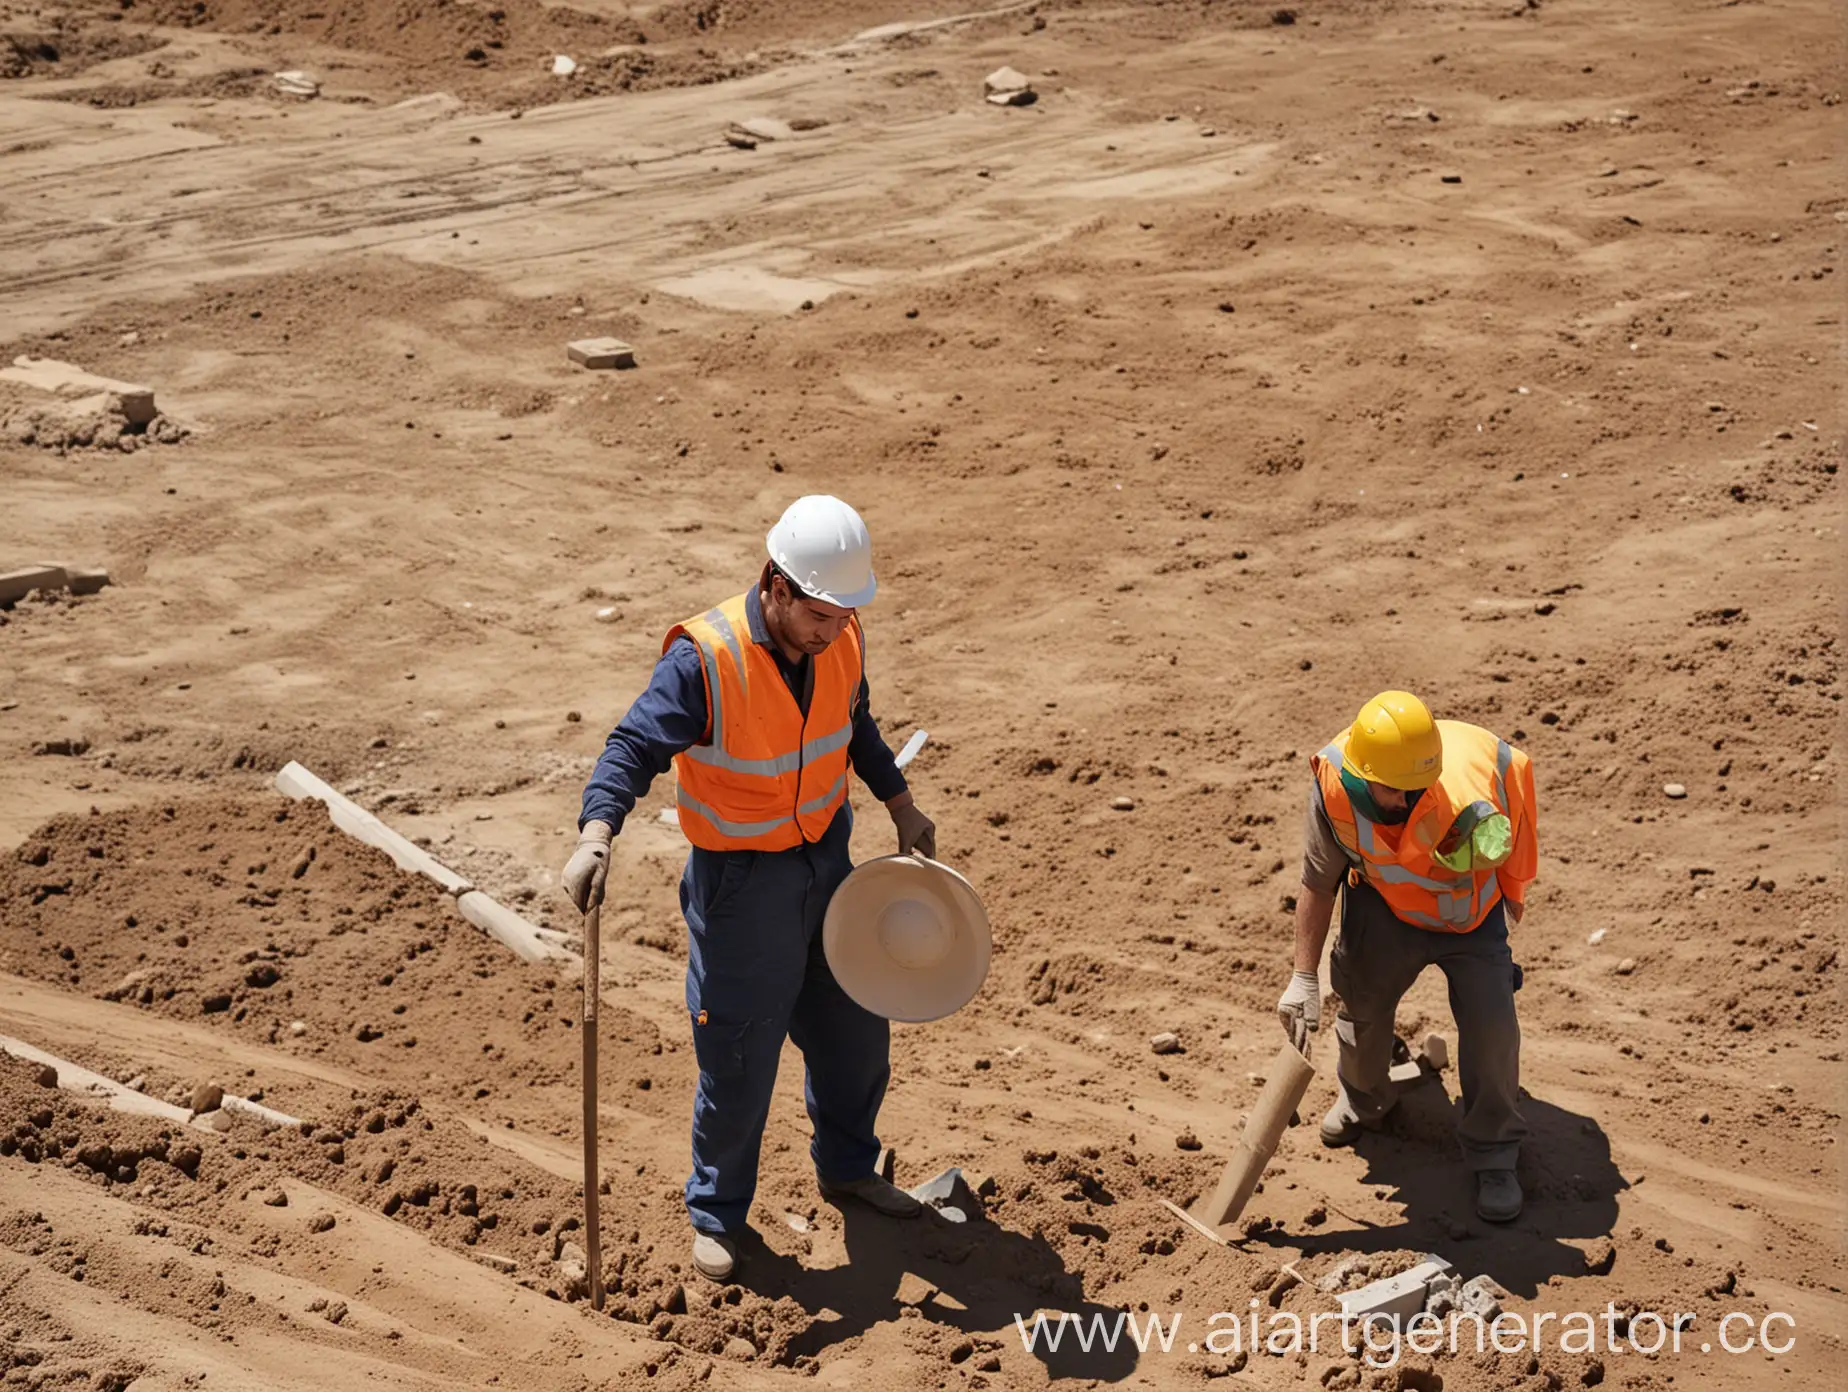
[{"x": 593, "y": 1227}]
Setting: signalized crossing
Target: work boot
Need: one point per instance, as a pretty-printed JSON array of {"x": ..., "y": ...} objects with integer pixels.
[
  {"x": 1498, "y": 1196},
  {"x": 1342, "y": 1128},
  {"x": 877, "y": 1193},
  {"x": 714, "y": 1255}
]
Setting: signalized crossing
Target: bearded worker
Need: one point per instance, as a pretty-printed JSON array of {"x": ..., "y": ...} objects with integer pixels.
[
  {"x": 761, "y": 706},
  {"x": 1428, "y": 829}
]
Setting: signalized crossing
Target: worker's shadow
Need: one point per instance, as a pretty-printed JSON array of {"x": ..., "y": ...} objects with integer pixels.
[
  {"x": 1566, "y": 1169},
  {"x": 980, "y": 1277}
]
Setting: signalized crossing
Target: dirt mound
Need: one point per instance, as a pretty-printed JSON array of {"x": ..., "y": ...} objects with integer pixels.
[{"x": 63, "y": 45}]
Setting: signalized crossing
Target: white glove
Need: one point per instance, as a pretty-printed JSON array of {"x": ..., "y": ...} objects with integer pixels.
[
  {"x": 1300, "y": 1010},
  {"x": 588, "y": 867}
]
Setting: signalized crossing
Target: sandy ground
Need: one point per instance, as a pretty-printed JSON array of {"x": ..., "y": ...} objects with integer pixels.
[{"x": 1488, "y": 351}]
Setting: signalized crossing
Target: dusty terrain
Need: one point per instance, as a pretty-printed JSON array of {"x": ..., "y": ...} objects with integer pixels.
[{"x": 1486, "y": 350}]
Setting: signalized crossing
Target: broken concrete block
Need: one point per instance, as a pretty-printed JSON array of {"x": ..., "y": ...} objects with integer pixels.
[
  {"x": 1441, "y": 1296},
  {"x": 1398, "y": 1297},
  {"x": 1435, "y": 1051},
  {"x": 85, "y": 580},
  {"x": 601, "y": 353},
  {"x": 1410, "y": 1074},
  {"x": 15, "y": 585},
  {"x": 940, "y": 1189},
  {"x": 1481, "y": 1296},
  {"x": 70, "y": 382},
  {"x": 1003, "y": 80}
]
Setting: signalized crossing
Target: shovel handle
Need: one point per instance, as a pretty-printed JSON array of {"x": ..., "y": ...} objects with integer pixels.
[{"x": 593, "y": 1229}]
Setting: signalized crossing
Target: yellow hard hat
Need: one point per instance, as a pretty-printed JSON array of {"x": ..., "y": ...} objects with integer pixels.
[{"x": 1395, "y": 741}]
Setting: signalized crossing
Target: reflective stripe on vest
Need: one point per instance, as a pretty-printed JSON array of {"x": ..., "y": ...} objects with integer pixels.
[
  {"x": 1423, "y": 891},
  {"x": 752, "y": 784}
]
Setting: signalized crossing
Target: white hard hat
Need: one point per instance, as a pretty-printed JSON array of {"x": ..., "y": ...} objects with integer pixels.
[
  {"x": 907, "y": 938},
  {"x": 821, "y": 544}
]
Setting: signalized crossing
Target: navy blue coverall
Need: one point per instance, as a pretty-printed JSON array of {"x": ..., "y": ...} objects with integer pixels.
[{"x": 755, "y": 969}]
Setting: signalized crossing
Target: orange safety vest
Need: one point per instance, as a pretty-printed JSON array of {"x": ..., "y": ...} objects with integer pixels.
[
  {"x": 1397, "y": 861},
  {"x": 766, "y": 777}
]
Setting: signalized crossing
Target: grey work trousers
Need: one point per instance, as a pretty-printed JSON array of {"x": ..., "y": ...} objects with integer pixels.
[{"x": 1376, "y": 959}]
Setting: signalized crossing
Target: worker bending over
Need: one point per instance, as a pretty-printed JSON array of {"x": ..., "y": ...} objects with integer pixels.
[{"x": 1430, "y": 826}]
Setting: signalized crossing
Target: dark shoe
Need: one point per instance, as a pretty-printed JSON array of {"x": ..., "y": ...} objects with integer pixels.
[
  {"x": 1342, "y": 1128},
  {"x": 1498, "y": 1196},
  {"x": 877, "y": 1193},
  {"x": 714, "y": 1255}
]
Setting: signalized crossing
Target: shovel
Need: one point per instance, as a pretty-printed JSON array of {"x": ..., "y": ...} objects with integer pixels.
[{"x": 593, "y": 1229}]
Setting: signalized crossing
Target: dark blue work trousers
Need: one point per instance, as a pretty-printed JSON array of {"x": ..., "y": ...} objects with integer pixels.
[{"x": 755, "y": 976}]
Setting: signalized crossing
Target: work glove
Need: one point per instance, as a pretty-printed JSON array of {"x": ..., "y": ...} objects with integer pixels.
[
  {"x": 588, "y": 867},
  {"x": 1300, "y": 1010},
  {"x": 916, "y": 832}
]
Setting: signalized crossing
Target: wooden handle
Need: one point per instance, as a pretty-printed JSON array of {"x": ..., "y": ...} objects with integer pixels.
[
  {"x": 1290, "y": 1074},
  {"x": 593, "y": 1230}
]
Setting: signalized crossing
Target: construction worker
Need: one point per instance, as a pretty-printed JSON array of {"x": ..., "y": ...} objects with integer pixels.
[
  {"x": 1428, "y": 827},
  {"x": 761, "y": 705}
]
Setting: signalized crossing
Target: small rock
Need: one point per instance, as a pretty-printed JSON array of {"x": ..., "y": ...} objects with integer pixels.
[
  {"x": 298, "y": 1028},
  {"x": 276, "y": 1198},
  {"x": 1435, "y": 1051},
  {"x": 1704, "y": 1117},
  {"x": 1122, "y": 804},
  {"x": 741, "y": 1349},
  {"x": 1626, "y": 966},
  {"x": 1283, "y": 16},
  {"x": 738, "y": 140},
  {"x": 207, "y": 1097},
  {"x": 295, "y": 83},
  {"x": 1482, "y": 1297},
  {"x": 608, "y": 614},
  {"x": 563, "y": 66},
  {"x": 322, "y": 1222},
  {"x": 1451, "y": 178},
  {"x": 1187, "y": 1141},
  {"x": 1459, "y": 1232},
  {"x": 1674, "y": 790},
  {"x": 47, "y": 1076},
  {"x": 796, "y": 1222},
  {"x": 503, "y": 1264},
  {"x": 1597, "y": 936},
  {"x": 1167, "y": 1042},
  {"x": 336, "y": 1312}
]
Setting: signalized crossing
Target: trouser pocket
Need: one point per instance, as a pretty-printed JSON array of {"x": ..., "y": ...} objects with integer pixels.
[{"x": 720, "y": 1047}]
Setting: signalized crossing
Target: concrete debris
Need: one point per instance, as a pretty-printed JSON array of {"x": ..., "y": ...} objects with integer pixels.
[
  {"x": 1441, "y": 1296},
  {"x": 563, "y": 66},
  {"x": 1412, "y": 1073},
  {"x": 72, "y": 383},
  {"x": 1397, "y": 1297},
  {"x": 1167, "y": 1042},
  {"x": 941, "y": 1189},
  {"x": 601, "y": 353},
  {"x": 1481, "y": 1296},
  {"x": 296, "y": 83},
  {"x": 572, "y": 1268},
  {"x": 15, "y": 585},
  {"x": 1006, "y": 87}
]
